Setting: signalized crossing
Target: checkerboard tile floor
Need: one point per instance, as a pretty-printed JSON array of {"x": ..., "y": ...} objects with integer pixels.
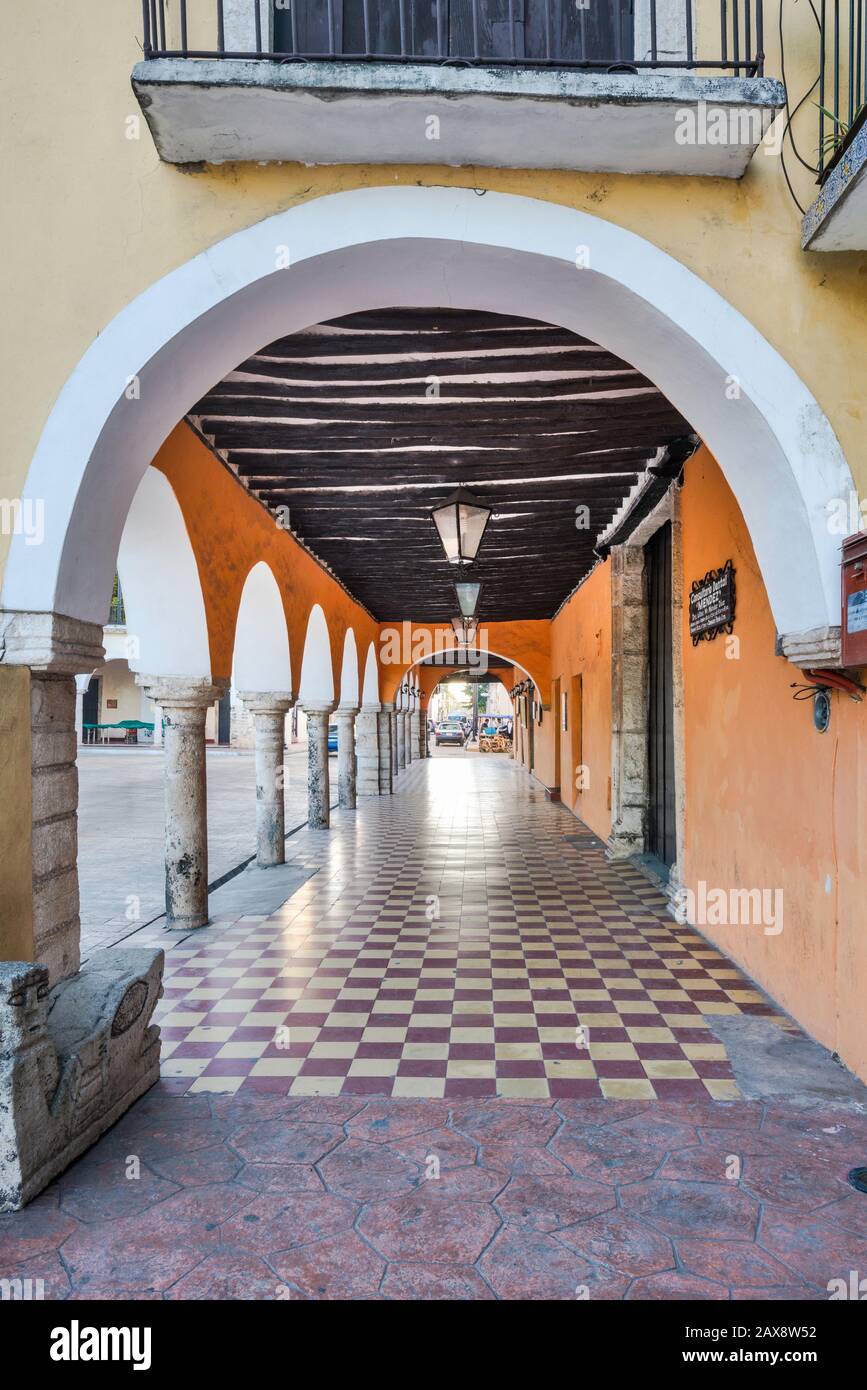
[{"x": 463, "y": 938}]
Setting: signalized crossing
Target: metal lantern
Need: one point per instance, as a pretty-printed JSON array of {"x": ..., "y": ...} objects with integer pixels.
[
  {"x": 468, "y": 593},
  {"x": 461, "y": 522},
  {"x": 465, "y": 630}
]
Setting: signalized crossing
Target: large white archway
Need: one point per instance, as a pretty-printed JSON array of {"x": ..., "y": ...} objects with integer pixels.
[
  {"x": 261, "y": 658},
  {"x": 162, "y": 593},
  {"x": 317, "y": 674},
  {"x": 450, "y": 247}
]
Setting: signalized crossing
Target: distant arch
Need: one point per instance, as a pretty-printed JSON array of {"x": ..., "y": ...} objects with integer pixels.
[
  {"x": 261, "y": 658},
  {"x": 349, "y": 671},
  {"x": 317, "y": 672},
  {"x": 166, "y": 621},
  {"x": 370, "y": 684}
]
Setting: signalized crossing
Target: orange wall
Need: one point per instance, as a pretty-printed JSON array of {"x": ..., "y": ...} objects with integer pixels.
[
  {"x": 769, "y": 801},
  {"x": 230, "y": 532},
  {"x": 581, "y": 645}
]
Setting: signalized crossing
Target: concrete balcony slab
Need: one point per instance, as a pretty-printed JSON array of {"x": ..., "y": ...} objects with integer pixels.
[{"x": 347, "y": 112}]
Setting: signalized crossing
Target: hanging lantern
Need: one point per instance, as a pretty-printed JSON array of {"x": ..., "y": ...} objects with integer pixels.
[
  {"x": 468, "y": 593},
  {"x": 461, "y": 522}
]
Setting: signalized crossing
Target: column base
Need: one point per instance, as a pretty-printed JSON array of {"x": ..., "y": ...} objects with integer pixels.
[{"x": 72, "y": 1060}]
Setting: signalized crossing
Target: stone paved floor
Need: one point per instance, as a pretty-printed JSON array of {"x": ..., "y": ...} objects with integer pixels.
[
  {"x": 436, "y": 1172},
  {"x": 121, "y": 830},
  {"x": 463, "y": 938},
  {"x": 264, "y": 1197}
]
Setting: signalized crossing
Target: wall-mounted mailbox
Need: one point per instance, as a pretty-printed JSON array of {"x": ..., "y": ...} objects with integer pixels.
[{"x": 855, "y": 600}]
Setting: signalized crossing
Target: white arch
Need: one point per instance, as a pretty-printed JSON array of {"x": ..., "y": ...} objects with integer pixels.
[
  {"x": 451, "y": 247},
  {"x": 162, "y": 593},
  {"x": 370, "y": 685},
  {"x": 349, "y": 671},
  {"x": 317, "y": 674},
  {"x": 261, "y": 659},
  {"x": 443, "y": 660}
]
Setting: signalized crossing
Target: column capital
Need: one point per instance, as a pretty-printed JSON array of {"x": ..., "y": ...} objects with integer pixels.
[
  {"x": 819, "y": 647},
  {"x": 388, "y": 707},
  {"x": 267, "y": 701},
  {"x": 346, "y": 711},
  {"x": 182, "y": 692},
  {"x": 318, "y": 707},
  {"x": 50, "y": 642},
  {"x": 373, "y": 707}
]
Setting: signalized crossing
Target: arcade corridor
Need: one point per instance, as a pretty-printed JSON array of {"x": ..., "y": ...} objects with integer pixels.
[{"x": 431, "y": 1125}]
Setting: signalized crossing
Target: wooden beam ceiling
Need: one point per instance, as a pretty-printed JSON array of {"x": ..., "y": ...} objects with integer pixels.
[{"x": 362, "y": 425}]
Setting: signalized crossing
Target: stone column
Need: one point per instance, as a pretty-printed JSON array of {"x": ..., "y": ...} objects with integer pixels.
[
  {"x": 629, "y": 677},
  {"x": 401, "y": 740},
  {"x": 185, "y": 701},
  {"x": 158, "y": 726},
  {"x": 395, "y": 766},
  {"x": 383, "y": 723},
  {"x": 318, "y": 776},
  {"x": 347, "y": 762},
  {"x": 40, "y": 655},
  {"x": 423, "y": 749},
  {"x": 414, "y": 733},
  {"x": 269, "y": 710},
  {"x": 367, "y": 750}
]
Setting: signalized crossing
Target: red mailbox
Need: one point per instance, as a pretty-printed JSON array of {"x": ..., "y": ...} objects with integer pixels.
[{"x": 855, "y": 600}]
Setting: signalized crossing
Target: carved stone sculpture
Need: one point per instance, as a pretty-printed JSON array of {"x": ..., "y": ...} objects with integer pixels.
[{"x": 72, "y": 1060}]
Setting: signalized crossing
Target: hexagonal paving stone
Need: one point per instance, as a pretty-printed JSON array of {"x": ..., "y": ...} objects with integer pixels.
[
  {"x": 817, "y": 1249},
  {"x": 367, "y": 1171},
  {"x": 657, "y": 1129},
  {"x": 702, "y": 1163},
  {"x": 671, "y": 1286},
  {"x": 435, "y": 1282},
  {"x": 279, "y": 1141},
  {"x": 509, "y": 1125},
  {"x": 103, "y": 1191},
  {"x": 382, "y": 1121},
  {"x": 37, "y": 1230},
  {"x": 218, "y": 1164},
  {"x": 732, "y": 1262},
  {"x": 229, "y": 1274},
  {"x": 280, "y": 1177},
  {"x": 451, "y": 1149},
  {"x": 793, "y": 1181},
  {"x": 419, "y": 1228},
  {"x": 47, "y": 1276},
  {"x": 529, "y": 1264},
  {"x": 593, "y": 1113},
  {"x": 605, "y": 1155},
  {"x": 618, "y": 1240},
  {"x": 272, "y": 1223},
  {"x": 693, "y": 1208},
  {"x": 340, "y": 1267},
  {"x": 544, "y": 1204}
]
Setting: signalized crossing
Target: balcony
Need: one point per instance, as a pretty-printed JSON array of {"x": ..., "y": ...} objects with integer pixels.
[
  {"x": 629, "y": 86},
  {"x": 837, "y": 219}
]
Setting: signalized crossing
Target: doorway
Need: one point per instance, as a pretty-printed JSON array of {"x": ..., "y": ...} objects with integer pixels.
[{"x": 661, "y": 824}]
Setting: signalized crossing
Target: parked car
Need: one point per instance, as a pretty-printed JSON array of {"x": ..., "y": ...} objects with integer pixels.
[
  {"x": 332, "y": 738},
  {"x": 450, "y": 730}
]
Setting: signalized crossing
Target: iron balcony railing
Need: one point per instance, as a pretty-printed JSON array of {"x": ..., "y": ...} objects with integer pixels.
[
  {"x": 602, "y": 35},
  {"x": 842, "y": 78}
]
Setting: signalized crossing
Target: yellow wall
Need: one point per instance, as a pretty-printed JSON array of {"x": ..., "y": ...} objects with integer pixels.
[
  {"x": 769, "y": 801},
  {"x": 92, "y": 218},
  {"x": 581, "y": 646}
]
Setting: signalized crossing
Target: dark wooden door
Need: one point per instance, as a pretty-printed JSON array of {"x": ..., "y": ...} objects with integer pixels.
[{"x": 661, "y": 840}]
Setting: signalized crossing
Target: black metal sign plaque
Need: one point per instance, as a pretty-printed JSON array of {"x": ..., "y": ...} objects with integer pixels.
[{"x": 712, "y": 604}]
